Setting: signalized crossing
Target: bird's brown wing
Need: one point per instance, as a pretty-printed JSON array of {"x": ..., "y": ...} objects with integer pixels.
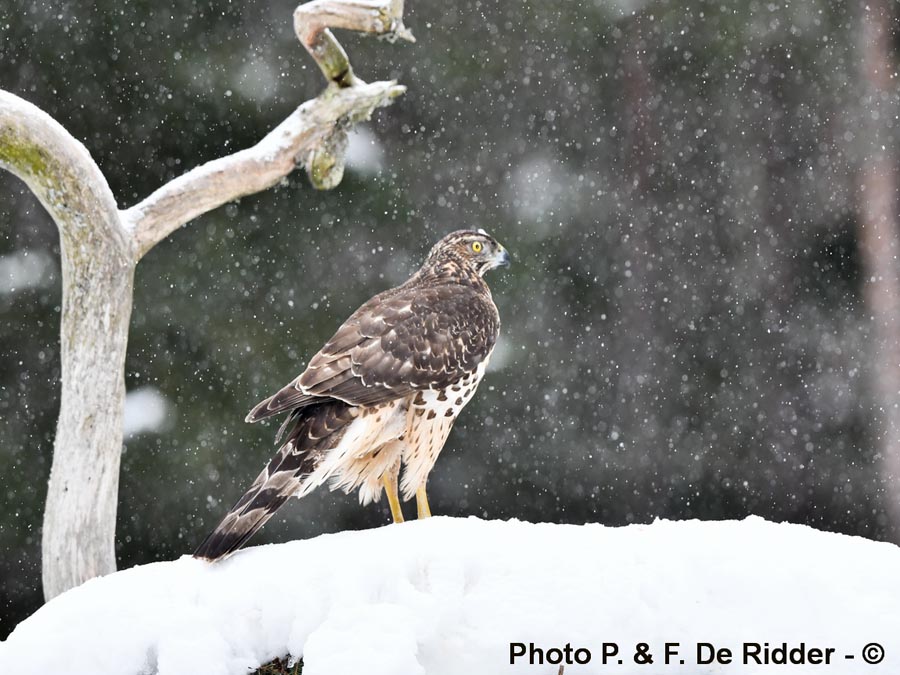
[{"x": 405, "y": 340}]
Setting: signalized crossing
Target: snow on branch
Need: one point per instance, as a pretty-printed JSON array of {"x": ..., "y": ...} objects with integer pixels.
[{"x": 445, "y": 596}]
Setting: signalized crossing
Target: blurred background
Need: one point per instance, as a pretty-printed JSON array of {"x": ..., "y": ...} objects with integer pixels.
[{"x": 701, "y": 202}]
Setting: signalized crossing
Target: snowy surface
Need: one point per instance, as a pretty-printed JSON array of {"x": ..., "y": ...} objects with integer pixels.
[{"x": 447, "y": 596}]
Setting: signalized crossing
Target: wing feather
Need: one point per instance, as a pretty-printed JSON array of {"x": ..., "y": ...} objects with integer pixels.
[{"x": 401, "y": 341}]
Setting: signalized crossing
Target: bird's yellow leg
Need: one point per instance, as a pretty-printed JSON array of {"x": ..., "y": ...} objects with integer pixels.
[
  {"x": 422, "y": 503},
  {"x": 390, "y": 488}
]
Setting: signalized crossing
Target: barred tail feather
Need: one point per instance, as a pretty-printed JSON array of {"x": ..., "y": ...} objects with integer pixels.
[
  {"x": 272, "y": 488},
  {"x": 313, "y": 433}
]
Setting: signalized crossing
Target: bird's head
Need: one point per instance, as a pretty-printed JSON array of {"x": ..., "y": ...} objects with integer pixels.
[{"x": 474, "y": 250}]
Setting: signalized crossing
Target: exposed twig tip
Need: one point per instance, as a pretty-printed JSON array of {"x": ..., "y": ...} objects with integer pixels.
[
  {"x": 399, "y": 32},
  {"x": 396, "y": 90}
]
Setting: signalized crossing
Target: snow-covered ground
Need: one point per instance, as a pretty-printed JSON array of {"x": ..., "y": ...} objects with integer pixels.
[{"x": 448, "y": 596}]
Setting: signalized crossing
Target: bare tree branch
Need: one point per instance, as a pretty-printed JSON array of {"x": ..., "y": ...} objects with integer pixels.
[
  {"x": 101, "y": 246},
  {"x": 255, "y": 169},
  {"x": 312, "y": 21},
  {"x": 59, "y": 170},
  {"x": 314, "y": 135},
  {"x": 98, "y": 270}
]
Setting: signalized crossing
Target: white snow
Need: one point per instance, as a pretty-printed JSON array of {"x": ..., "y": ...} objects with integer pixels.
[{"x": 447, "y": 596}]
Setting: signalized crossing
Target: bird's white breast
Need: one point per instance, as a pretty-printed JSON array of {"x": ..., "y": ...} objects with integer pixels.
[{"x": 430, "y": 418}]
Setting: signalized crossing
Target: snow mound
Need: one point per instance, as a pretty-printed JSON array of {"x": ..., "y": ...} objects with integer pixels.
[{"x": 447, "y": 597}]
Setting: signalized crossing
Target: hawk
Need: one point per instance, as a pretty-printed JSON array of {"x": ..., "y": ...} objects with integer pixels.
[{"x": 381, "y": 394}]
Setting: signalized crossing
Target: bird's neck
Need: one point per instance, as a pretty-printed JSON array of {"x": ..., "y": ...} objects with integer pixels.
[{"x": 449, "y": 272}]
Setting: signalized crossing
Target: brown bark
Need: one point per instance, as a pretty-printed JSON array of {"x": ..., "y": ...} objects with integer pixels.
[{"x": 879, "y": 238}]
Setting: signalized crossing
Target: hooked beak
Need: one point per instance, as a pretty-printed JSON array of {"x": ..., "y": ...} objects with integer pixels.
[{"x": 502, "y": 259}]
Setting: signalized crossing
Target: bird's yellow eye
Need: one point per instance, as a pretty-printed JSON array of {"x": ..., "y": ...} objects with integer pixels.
[{"x": 476, "y": 246}]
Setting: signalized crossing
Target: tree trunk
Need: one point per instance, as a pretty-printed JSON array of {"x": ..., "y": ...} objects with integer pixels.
[
  {"x": 80, "y": 517},
  {"x": 98, "y": 268},
  {"x": 879, "y": 240}
]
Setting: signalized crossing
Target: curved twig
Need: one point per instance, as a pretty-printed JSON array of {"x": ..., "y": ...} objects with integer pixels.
[{"x": 313, "y": 20}]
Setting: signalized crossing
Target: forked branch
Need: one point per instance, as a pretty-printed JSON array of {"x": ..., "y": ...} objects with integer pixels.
[
  {"x": 313, "y": 135},
  {"x": 101, "y": 246}
]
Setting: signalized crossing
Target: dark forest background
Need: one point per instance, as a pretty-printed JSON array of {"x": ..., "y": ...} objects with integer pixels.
[{"x": 688, "y": 325}]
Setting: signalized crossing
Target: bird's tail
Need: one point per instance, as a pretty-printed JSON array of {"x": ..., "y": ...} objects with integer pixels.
[{"x": 316, "y": 430}]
